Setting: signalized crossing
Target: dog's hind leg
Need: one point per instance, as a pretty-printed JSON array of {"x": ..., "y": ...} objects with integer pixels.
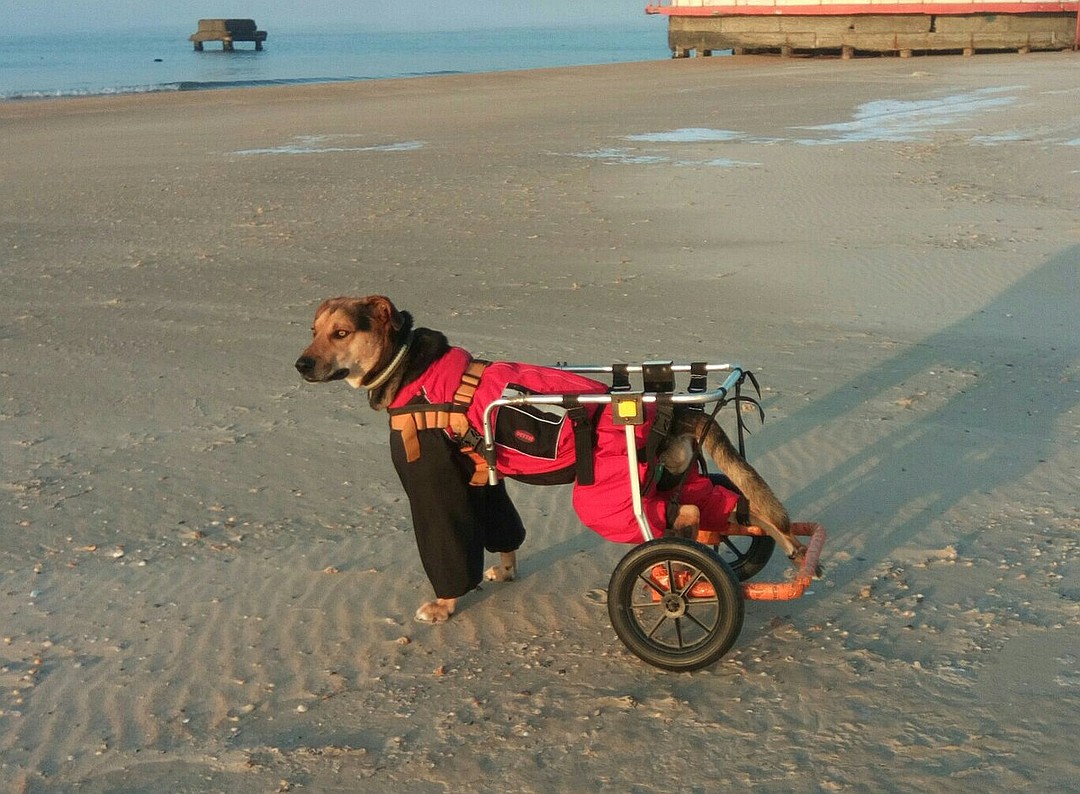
[
  {"x": 687, "y": 522},
  {"x": 766, "y": 510},
  {"x": 505, "y": 571},
  {"x": 792, "y": 548}
]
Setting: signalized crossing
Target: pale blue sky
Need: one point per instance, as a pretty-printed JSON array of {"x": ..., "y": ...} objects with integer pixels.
[{"x": 41, "y": 16}]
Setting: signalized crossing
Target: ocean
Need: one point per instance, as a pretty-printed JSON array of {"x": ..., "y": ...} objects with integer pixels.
[{"x": 85, "y": 64}]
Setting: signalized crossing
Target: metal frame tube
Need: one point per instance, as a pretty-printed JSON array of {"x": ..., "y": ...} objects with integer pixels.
[
  {"x": 735, "y": 373},
  {"x": 635, "y": 485}
]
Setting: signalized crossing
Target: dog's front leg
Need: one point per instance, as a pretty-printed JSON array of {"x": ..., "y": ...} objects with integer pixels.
[{"x": 437, "y": 611}]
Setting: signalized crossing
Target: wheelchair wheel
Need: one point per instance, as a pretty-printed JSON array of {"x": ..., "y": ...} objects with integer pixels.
[
  {"x": 746, "y": 555},
  {"x": 675, "y": 604}
]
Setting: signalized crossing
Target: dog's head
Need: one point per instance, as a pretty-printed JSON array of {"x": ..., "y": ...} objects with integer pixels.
[{"x": 352, "y": 338}]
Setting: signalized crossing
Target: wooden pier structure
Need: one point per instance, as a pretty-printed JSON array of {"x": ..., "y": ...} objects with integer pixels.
[
  {"x": 227, "y": 31},
  {"x": 848, "y": 27}
]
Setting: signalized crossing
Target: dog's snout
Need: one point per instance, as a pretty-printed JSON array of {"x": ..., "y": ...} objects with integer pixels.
[{"x": 305, "y": 365}]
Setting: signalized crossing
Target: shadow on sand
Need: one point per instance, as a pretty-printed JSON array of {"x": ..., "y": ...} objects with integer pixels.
[{"x": 1019, "y": 357}]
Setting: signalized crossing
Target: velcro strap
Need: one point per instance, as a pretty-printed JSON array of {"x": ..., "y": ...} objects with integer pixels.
[
  {"x": 661, "y": 428},
  {"x": 699, "y": 382},
  {"x": 658, "y": 376},
  {"x": 406, "y": 425},
  {"x": 620, "y": 377},
  {"x": 583, "y": 444},
  {"x": 470, "y": 381},
  {"x": 742, "y": 511},
  {"x": 699, "y": 377},
  {"x": 480, "y": 472},
  {"x": 409, "y": 420}
]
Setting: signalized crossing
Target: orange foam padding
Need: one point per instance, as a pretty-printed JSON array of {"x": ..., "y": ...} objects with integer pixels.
[
  {"x": 714, "y": 537},
  {"x": 753, "y": 591},
  {"x": 786, "y": 591}
]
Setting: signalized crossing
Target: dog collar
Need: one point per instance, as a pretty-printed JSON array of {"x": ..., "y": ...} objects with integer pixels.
[{"x": 384, "y": 376}]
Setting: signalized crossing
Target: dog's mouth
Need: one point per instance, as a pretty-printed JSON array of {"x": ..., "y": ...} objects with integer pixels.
[
  {"x": 340, "y": 374},
  {"x": 310, "y": 371}
]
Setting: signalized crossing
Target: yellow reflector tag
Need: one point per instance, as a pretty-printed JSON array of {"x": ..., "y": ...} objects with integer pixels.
[{"x": 627, "y": 409}]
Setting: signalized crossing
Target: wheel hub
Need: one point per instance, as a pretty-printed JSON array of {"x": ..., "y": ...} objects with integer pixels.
[{"x": 674, "y": 605}]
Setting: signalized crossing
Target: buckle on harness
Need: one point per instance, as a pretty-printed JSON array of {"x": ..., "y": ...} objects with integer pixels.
[{"x": 470, "y": 439}]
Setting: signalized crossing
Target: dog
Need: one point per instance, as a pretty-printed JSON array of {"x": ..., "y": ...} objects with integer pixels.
[{"x": 417, "y": 377}]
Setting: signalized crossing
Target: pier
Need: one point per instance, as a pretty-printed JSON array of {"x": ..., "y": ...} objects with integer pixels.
[
  {"x": 227, "y": 31},
  {"x": 848, "y": 27}
]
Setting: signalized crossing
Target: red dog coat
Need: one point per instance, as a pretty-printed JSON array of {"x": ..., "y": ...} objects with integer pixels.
[{"x": 539, "y": 444}]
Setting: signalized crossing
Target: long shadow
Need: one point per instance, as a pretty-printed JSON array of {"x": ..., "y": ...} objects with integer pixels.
[{"x": 1021, "y": 353}]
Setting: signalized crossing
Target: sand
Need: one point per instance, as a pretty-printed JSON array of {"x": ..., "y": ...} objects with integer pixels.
[{"x": 208, "y": 574}]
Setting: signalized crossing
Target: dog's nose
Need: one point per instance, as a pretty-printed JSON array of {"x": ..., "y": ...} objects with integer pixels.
[{"x": 305, "y": 365}]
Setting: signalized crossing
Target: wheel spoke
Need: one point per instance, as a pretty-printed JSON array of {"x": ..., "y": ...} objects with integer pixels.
[
  {"x": 739, "y": 554},
  {"x": 701, "y": 600},
  {"x": 649, "y": 581},
  {"x": 657, "y": 625},
  {"x": 707, "y": 629},
  {"x": 689, "y": 582}
]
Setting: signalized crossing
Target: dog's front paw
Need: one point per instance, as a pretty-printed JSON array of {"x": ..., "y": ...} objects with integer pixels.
[
  {"x": 437, "y": 611},
  {"x": 505, "y": 571},
  {"x": 500, "y": 573}
]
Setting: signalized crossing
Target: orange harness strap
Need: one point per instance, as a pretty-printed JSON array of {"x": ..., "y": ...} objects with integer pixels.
[{"x": 410, "y": 421}]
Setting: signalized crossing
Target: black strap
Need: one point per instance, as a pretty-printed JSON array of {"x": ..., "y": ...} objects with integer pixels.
[
  {"x": 671, "y": 511},
  {"x": 742, "y": 511},
  {"x": 739, "y": 400},
  {"x": 583, "y": 444},
  {"x": 423, "y": 407},
  {"x": 620, "y": 377},
  {"x": 654, "y": 442},
  {"x": 658, "y": 376},
  {"x": 699, "y": 382},
  {"x": 661, "y": 428}
]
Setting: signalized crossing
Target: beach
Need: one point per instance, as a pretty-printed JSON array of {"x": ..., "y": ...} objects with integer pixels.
[{"x": 208, "y": 571}]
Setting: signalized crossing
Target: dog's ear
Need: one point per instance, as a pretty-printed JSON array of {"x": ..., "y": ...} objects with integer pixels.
[
  {"x": 326, "y": 305},
  {"x": 384, "y": 310}
]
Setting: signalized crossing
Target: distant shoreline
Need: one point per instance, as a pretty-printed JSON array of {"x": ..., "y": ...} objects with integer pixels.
[
  {"x": 193, "y": 90},
  {"x": 35, "y": 67}
]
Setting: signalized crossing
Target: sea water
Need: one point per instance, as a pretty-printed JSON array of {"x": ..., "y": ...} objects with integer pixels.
[{"x": 84, "y": 64}]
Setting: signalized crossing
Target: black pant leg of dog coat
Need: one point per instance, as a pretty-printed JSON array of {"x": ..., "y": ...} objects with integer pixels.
[
  {"x": 499, "y": 519},
  {"x": 452, "y": 520}
]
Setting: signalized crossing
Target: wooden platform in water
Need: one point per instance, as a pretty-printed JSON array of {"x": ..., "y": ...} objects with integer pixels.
[{"x": 227, "y": 31}]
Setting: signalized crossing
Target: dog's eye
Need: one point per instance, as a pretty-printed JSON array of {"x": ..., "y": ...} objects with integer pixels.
[{"x": 340, "y": 333}]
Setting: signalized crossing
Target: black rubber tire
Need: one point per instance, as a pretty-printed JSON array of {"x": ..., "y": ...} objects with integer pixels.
[
  {"x": 746, "y": 555},
  {"x": 671, "y": 628}
]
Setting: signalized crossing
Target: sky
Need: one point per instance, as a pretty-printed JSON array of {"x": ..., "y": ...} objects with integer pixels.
[{"x": 41, "y": 16}]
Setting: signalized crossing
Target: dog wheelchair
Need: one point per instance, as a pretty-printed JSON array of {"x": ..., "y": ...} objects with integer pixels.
[{"x": 676, "y": 603}]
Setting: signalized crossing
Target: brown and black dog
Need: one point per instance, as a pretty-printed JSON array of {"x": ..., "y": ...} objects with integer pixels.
[{"x": 370, "y": 344}]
